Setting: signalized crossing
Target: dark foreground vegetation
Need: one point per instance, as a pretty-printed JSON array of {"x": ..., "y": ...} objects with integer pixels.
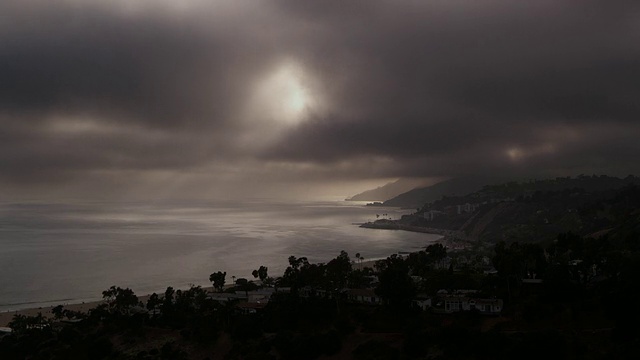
[
  {"x": 574, "y": 296},
  {"x": 580, "y": 310}
]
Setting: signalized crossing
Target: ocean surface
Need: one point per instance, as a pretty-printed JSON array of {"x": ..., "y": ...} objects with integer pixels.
[{"x": 68, "y": 253}]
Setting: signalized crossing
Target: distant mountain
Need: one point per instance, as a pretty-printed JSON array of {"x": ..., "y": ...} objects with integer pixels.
[
  {"x": 458, "y": 186},
  {"x": 388, "y": 190}
]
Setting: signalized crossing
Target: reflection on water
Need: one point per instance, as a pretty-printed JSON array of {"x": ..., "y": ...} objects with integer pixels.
[{"x": 66, "y": 253}]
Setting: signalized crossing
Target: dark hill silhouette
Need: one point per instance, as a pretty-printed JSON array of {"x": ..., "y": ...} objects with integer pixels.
[
  {"x": 388, "y": 190},
  {"x": 457, "y": 186}
]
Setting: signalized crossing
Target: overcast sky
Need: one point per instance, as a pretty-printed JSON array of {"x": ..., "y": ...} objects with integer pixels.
[{"x": 182, "y": 99}]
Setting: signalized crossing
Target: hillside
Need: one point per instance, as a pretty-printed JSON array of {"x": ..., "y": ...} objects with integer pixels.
[
  {"x": 458, "y": 186},
  {"x": 388, "y": 190},
  {"x": 538, "y": 210}
]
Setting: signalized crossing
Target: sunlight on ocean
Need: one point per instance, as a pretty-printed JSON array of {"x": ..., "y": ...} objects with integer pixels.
[{"x": 61, "y": 253}]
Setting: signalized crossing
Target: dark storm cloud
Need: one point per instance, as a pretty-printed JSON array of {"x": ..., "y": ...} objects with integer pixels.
[
  {"x": 160, "y": 93},
  {"x": 407, "y": 88},
  {"x": 134, "y": 68},
  {"x": 457, "y": 85}
]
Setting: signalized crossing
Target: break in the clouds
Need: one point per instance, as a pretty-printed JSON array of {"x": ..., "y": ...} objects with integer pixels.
[{"x": 160, "y": 98}]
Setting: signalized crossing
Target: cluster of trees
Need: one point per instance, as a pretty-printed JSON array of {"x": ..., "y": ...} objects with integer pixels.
[
  {"x": 570, "y": 263},
  {"x": 586, "y": 275},
  {"x": 332, "y": 276}
]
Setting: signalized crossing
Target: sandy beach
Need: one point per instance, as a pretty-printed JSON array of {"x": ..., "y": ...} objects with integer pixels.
[{"x": 7, "y": 316}]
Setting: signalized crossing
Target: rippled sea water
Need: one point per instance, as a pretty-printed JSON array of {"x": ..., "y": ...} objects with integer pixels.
[{"x": 63, "y": 253}]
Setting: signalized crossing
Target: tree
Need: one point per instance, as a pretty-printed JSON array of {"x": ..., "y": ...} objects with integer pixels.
[
  {"x": 245, "y": 285},
  {"x": 296, "y": 263},
  {"x": 291, "y": 276},
  {"x": 120, "y": 300},
  {"x": 436, "y": 253},
  {"x": 338, "y": 269},
  {"x": 218, "y": 279},
  {"x": 153, "y": 303},
  {"x": 509, "y": 262},
  {"x": 20, "y": 324},
  {"x": 360, "y": 279},
  {"x": 58, "y": 312},
  {"x": 396, "y": 286},
  {"x": 167, "y": 301},
  {"x": 261, "y": 273},
  {"x": 535, "y": 263}
]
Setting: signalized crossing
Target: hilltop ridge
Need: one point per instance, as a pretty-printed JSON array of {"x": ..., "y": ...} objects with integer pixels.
[{"x": 457, "y": 186}]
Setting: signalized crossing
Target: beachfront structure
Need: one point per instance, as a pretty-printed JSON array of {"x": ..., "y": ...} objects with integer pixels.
[
  {"x": 260, "y": 296},
  {"x": 363, "y": 296},
  {"x": 466, "y": 300},
  {"x": 226, "y": 297},
  {"x": 467, "y": 208}
]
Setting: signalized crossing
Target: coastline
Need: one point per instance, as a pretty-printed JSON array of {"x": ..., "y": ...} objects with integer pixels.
[
  {"x": 448, "y": 239},
  {"x": 394, "y": 225},
  {"x": 453, "y": 239},
  {"x": 84, "y": 307}
]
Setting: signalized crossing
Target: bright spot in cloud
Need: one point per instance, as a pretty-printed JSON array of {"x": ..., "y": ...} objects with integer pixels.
[
  {"x": 515, "y": 154},
  {"x": 283, "y": 96},
  {"x": 295, "y": 100},
  {"x": 519, "y": 153}
]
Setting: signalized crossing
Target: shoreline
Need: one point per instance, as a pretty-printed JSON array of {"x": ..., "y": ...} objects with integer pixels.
[
  {"x": 393, "y": 225},
  {"x": 453, "y": 239},
  {"x": 7, "y": 316},
  {"x": 84, "y": 307}
]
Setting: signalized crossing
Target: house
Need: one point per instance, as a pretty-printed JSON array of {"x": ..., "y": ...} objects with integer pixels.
[
  {"x": 259, "y": 296},
  {"x": 363, "y": 296},
  {"x": 226, "y": 297},
  {"x": 486, "y": 306},
  {"x": 315, "y": 292},
  {"x": 466, "y": 300},
  {"x": 467, "y": 208},
  {"x": 422, "y": 301},
  {"x": 250, "y": 308},
  {"x": 307, "y": 291}
]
